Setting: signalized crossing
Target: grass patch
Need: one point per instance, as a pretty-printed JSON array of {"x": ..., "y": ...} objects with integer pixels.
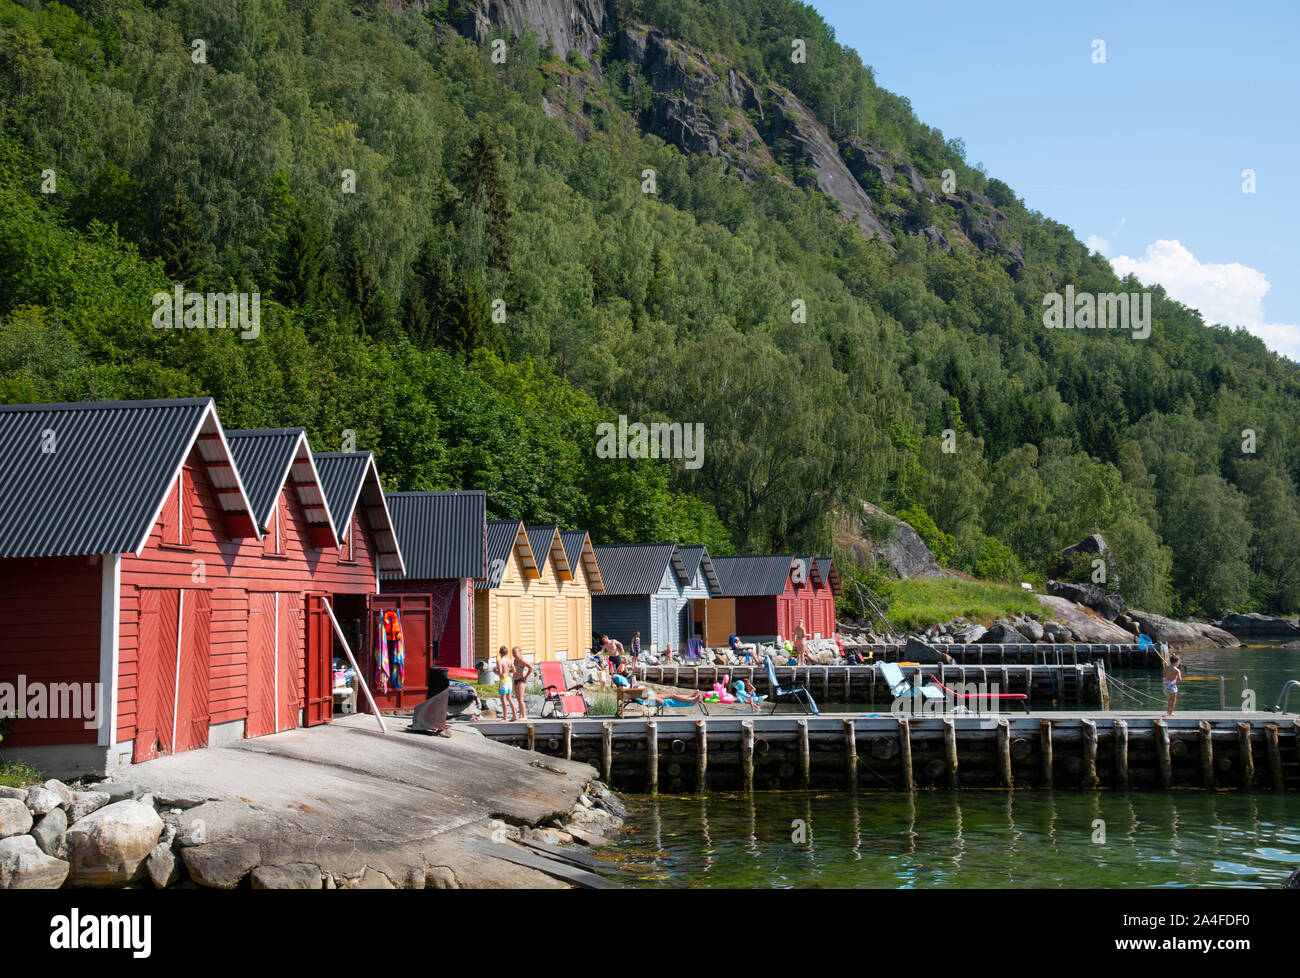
[
  {"x": 17, "y": 774},
  {"x": 919, "y": 603}
]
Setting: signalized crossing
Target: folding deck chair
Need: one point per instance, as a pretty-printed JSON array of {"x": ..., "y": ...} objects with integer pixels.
[
  {"x": 900, "y": 685},
  {"x": 560, "y": 699},
  {"x": 779, "y": 692},
  {"x": 1021, "y": 699}
]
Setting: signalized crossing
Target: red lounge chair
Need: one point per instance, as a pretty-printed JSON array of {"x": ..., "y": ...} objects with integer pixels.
[
  {"x": 560, "y": 698},
  {"x": 1021, "y": 698}
]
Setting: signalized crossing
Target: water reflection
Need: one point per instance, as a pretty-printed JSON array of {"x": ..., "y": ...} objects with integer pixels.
[{"x": 969, "y": 839}]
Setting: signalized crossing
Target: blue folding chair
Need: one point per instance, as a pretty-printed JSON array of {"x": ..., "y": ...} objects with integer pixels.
[
  {"x": 899, "y": 685},
  {"x": 779, "y": 692}
]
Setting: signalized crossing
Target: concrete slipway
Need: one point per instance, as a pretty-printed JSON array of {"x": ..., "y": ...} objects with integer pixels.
[{"x": 349, "y": 799}]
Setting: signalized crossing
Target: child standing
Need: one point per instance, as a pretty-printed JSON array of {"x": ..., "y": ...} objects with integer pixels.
[{"x": 1172, "y": 674}]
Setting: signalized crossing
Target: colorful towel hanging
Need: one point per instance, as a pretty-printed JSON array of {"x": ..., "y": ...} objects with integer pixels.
[
  {"x": 393, "y": 632},
  {"x": 381, "y": 657}
]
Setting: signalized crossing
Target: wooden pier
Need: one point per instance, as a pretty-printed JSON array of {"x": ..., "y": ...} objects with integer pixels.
[
  {"x": 1218, "y": 750},
  {"x": 1081, "y": 684},
  {"x": 1112, "y": 656}
]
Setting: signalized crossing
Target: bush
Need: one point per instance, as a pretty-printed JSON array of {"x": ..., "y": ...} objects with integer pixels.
[{"x": 941, "y": 544}]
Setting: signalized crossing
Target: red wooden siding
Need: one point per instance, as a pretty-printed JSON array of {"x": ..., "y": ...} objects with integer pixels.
[
  {"x": 50, "y": 608},
  {"x": 231, "y": 570}
]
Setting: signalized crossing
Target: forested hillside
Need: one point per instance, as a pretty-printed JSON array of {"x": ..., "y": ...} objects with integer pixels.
[{"x": 649, "y": 210}]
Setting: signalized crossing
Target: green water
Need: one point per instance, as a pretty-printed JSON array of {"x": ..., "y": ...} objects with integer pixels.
[
  {"x": 987, "y": 839},
  {"x": 973, "y": 839}
]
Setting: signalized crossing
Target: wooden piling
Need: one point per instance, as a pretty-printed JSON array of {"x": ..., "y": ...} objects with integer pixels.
[
  {"x": 1274, "y": 752},
  {"x": 1004, "y": 754},
  {"x": 1245, "y": 757},
  {"x": 805, "y": 754},
  {"x": 1045, "y": 735},
  {"x": 1089, "y": 752},
  {"x": 1103, "y": 686},
  {"x": 1162, "y": 753},
  {"x": 950, "y": 750},
  {"x": 568, "y": 741},
  {"x": 607, "y": 748},
  {"x": 747, "y": 754},
  {"x": 1121, "y": 753},
  {"x": 530, "y": 736},
  {"x": 652, "y": 756},
  {"x": 1207, "y": 755},
  {"x": 701, "y": 755},
  {"x": 905, "y": 752}
]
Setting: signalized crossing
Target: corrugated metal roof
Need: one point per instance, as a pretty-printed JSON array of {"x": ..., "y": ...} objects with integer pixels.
[
  {"x": 752, "y": 575},
  {"x": 634, "y": 568},
  {"x": 502, "y": 537},
  {"x": 91, "y": 477},
  {"x": 578, "y": 549},
  {"x": 694, "y": 557},
  {"x": 264, "y": 457},
  {"x": 546, "y": 544},
  {"x": 351, "y": 479},
  {"x": 443, "y": 534}
]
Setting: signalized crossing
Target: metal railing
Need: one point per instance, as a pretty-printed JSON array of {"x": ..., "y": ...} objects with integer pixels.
[{"x": 1280, "y": 705}]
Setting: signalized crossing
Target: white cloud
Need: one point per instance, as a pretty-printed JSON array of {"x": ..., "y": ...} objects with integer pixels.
[
  {"x": 1231, "y": 294},
  {"x": 1101, "y": 245}
]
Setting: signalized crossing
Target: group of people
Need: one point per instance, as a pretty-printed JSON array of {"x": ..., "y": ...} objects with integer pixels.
[{"x": 513, "y": 671}]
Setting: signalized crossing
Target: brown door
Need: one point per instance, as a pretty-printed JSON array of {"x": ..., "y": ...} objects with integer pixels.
[{"x": 319, "y": 675}]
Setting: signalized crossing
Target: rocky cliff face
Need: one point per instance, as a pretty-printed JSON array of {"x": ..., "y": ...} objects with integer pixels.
[{"x": 701, "y": 104}]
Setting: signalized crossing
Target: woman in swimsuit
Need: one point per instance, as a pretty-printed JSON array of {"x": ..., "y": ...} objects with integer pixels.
[
  {"x": 522, "y": 670},
  {"x": 505, "y": 683}
]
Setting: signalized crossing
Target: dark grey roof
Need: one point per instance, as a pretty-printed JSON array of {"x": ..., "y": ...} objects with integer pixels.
[
  {"x": 443, "y": 534},
  {"x": 91, "y": 477},
  {"x": 830, "y": 574},
  {"x": 351, "y": 479},
  {"x": 693, "y": 557},
  {"x": 264, "y": 456},
  {"x": 574, "y": 543},
  {"x": 541, "y": 537},
  {"x": 752, "y": 575},
  {"x": 634, "y": 568},
  {"x": 501, "y": 537}
]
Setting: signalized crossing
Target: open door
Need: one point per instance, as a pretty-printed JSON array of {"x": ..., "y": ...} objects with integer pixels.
[
  {"x": 319, "y": 701},
  {"x": 416, "y": 611}
]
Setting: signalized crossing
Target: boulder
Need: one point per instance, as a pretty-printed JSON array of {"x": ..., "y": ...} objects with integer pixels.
[
  {"x": 1005, "y": 633},
  {"x": 1091, "y": 544},
  {"x": 60, "y": 789},
  {"x": 85, "y": 802},
  {"x": 23, "y": 866},
  {"x": 109, "y": 846},
  {"x": 1083, "y": 626},
  {"x": 1110, "y": 607},
  {"x": 904, "y": 551},
  {"x": 1254, "y": 624},
  {"x": 917, "y": 651},
  {"x": 595, "y": 820},
  {"x": 1084, "y": 594},
  {"x": 15, "y": 818},
  {"x": 119, "y": 791},
  {"x": 50, "y": 833},
  {"x": 296, "y": 876},
  {"x": 971, "y": 634},
  {"x": 163, "y": 866},
  {"x": 552, "y": 837},
  {"x": 371, "y": 879},
  {"x": 1180, "y": 634},
  {"x": 41, "y": 800},
  {"x": 9, "y": 792},
  {"x": 221, "y": 865},
  {"x": 1032, "y": 630}
]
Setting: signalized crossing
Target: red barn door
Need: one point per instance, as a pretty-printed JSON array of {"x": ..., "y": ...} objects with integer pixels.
[
  {"x": 289, "y": 649},
  {"x": 194, "y": 671},
  {"x": 155, "y": 672},
  {"x": 261, "y": 664},
  {"x": 417, "y": 643}
]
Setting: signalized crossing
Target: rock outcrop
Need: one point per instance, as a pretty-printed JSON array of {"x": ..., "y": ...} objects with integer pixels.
[
  {"x": 903, "y": 550},
  {"x": 1255, "y": 625},
  {"x": 563, "y": 25},
  {"x": 1180, "y": 634}
]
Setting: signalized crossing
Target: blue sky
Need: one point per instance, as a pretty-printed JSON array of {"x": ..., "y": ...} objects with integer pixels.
[{"x": 1141, "y": 156}]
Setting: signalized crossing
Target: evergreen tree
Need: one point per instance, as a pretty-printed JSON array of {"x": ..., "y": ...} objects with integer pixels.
[{"x": 185, "y": 252}]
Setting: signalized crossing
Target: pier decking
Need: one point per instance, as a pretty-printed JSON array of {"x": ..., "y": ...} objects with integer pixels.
[
  {"x": 1082, "y": 684},
  {"x": 1209, "y": 750},
  {"x": 1113, "y": 656}
]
